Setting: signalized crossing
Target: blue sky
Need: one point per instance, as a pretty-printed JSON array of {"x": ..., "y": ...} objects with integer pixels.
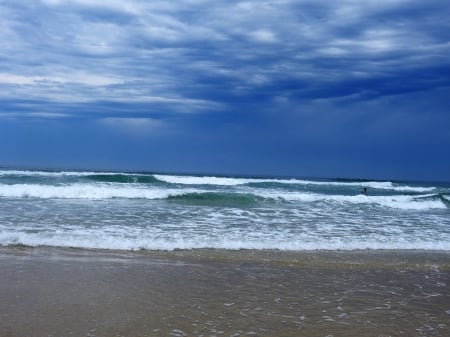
[{"x": 304, "y": 88}]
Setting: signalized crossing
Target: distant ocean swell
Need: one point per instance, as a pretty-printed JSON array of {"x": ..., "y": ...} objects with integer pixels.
[
  {"x": 61, "y": 177},
  {"x": 154, "y": 211}
]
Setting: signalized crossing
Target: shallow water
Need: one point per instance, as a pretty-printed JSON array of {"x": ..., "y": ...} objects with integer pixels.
[{"x": 224, "y": 293}]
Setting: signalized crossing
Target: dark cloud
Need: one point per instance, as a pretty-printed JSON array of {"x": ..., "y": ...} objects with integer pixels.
[
  {"x": 235, "y": 48},
  {"x": 237, "y": 68}
]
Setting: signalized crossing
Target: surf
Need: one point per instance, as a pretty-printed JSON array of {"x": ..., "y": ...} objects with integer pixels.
[
  {"x": 151, "y": 178},
  {"x": 131, "y": 211}
]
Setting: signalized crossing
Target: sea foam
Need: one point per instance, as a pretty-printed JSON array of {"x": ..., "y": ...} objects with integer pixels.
[
  {"x": 95, "y": 241},
  {"x": 88, "y": 191},
  {"x": 141, "y": 191},
  {"x": 227, "y": 181},
  {"x": 166, "y": 212}
]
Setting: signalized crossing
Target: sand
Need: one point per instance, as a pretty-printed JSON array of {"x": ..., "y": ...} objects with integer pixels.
[{"x": 74, "y": 292}]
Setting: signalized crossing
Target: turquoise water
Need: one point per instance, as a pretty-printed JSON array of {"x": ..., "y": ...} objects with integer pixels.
[{"x": 165, "y": 212}]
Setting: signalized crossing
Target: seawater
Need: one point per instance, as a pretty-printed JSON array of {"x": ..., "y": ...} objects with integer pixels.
[{"x": 130, "y": 211}]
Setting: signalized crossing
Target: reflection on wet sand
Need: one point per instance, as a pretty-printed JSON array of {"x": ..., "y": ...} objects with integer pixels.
[{"x": 64, "y": 292}]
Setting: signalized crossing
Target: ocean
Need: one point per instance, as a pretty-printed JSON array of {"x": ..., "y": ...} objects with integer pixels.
[
  {"x": 186, "y": 255},
  {"x": 143, "y": 211}
]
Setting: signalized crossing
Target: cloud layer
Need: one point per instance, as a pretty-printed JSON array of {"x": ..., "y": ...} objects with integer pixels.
[
  {"x": 239, "y": 62},
  {"x": 202, "y": 53}
]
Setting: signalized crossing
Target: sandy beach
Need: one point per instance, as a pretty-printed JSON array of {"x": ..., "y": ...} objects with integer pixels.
[{"x": 74, "y": 292}]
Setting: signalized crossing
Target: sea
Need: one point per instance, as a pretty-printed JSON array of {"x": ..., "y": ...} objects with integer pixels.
[{"x": 147, "y": 211}]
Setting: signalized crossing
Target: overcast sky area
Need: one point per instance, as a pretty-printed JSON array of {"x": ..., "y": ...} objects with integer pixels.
[{"x": 355, "y": 89}]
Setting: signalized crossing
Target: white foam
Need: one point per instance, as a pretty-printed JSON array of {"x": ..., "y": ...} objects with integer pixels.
[
  {"x": 136, "y": 191},
  {"x": 114, "y": 242},
  {"x": 51, "y": 173},
  {"x": 394, "y": 201},
  {"x": 382, "y": 185},
  {"x": 89, "y": 191},
  {"x": 192, "y": 180},
  {"x": 225, "y": 181}
]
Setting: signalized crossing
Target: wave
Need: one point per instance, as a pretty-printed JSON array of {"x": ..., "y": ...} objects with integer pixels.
[
  {"x": 217, "y": 199},
  {"x": 88, "y": 240},
  {"x": 228, "y": 181},
  {"x": 193, "y": 180},
  {"x": 116, "y": 191},
  {"x": 118, "y": 177},
  {"x": 445, "y": 199},
  {"x": 48, "y": 173},
  {"x": 123, "y": 178},
  {"x": 395, "y": 201},
  {"x": 85, "y": 191},
  {"x": 197, "y": 196}
]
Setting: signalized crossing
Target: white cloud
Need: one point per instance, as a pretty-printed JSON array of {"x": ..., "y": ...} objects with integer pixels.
[
  {"x": 193, "y": 56},
  {"x": 333, "y": 51},
  {"x": 135, "y": 127},
  {"x": 44, "y": 115},
  {"x": 263, "y": 35},
  {"x": 73, "y": 77},
  {"x": 137, "y": 123},
  {"x": 126, "y": 6},
  {"x": 50, "y": 115}
]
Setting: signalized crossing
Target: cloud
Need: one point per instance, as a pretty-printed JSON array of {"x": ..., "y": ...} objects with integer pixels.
[
  {"x": 48, "y": 115},
  {"x": 76, "y": 77},
  {"x": 33, "y": 115},
  {"x": 263, "y": 35},
  {"x": 206, "y": 57},
  {"x": 132, "y": 122},
  {"x": 289, "y": 76},
  {"x": 135, "y": 127}
]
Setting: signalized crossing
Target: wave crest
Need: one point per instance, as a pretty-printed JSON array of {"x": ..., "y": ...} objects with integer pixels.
[{"x": 198, "y": 196}]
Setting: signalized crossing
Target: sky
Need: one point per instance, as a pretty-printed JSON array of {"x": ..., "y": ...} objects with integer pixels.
[{"x": 350, "y": 88}]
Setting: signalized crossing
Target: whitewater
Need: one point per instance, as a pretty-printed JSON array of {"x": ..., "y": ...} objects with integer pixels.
[{"x": 133, "y": 211}]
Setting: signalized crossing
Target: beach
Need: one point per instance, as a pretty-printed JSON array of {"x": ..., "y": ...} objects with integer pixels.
[
  {"x": 47, "y": 291},
  {"x": 142, "y": 254}
]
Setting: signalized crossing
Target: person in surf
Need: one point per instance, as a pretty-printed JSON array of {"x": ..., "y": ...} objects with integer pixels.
[{"x": 364, "y": 191}]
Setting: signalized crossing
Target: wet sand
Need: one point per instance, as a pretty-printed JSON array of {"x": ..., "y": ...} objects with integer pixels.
[{"x": 72, "y": 292}]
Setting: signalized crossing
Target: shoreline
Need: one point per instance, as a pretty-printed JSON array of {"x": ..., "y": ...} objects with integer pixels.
[
  {"x": 310, "y": 258},
  {"x": 204, "y": 292}
]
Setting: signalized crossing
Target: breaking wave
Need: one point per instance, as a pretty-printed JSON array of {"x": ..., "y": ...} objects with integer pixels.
[
  {"x": 198, "y": 196},
  {"x": 130, "y": 211}
]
